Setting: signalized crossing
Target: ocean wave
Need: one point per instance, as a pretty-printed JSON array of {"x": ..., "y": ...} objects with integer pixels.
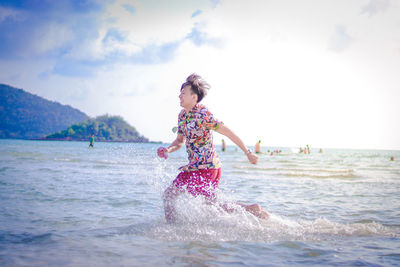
[
  {"x": 295, "y": 168},
  {"x": 23, "y": 238},
  {"x": 68, "y": 160},
  {"x": 97, "y": 163},
  {"x": 320, "y": 175},
  {"x": 25, "y": 154},
  {"x": 4, "y": 169},
  {"x": 126, "y": 203}
]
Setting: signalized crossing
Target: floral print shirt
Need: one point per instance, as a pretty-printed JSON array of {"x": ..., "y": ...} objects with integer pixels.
[{"x": 196, "y": 126}]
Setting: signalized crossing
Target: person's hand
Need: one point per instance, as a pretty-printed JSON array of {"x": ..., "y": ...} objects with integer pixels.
[
  {"x": 253, "y": 158},
  {"x": 162, "y": 152}
]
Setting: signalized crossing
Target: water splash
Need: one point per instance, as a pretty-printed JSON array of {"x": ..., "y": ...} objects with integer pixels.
[
  {"x": 210, "y": 223},
  {"x": 198, "y": 221}
]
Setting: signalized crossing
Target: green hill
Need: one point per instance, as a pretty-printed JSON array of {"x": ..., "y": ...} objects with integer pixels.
[
  {"x": 27, "y": 116},
  {"x": 104, "y": 128}
]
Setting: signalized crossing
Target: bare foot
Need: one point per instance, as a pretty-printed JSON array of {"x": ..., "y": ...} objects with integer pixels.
[{"x": 257, "y": 211}]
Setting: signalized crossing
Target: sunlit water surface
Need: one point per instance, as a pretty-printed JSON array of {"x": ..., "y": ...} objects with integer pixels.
[{"x": 65, "y": 204}]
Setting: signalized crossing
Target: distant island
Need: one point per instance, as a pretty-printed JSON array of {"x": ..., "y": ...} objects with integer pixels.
[
  {"x": 27, "y": 116},
  {"x": 104, "y": 128}
]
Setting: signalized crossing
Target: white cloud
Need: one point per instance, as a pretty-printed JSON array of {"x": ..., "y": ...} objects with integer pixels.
[
  {"x": 49, "y": 37},
  {"x": 153, "y": 22},
  {"x": 375, "y": 6},
  {"x": 145, "y": 29},
  {"x": 8, "y": 13},
  {"x": 340, "y": 39}
]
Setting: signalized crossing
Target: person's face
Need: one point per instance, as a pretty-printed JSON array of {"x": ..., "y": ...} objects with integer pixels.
[{"x": 187, "y": 98}]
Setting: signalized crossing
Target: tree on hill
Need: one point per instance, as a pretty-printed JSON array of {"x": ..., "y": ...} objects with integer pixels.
[
  {"x": 104, "y": 128},
  {"x": 27, "y": 116}
]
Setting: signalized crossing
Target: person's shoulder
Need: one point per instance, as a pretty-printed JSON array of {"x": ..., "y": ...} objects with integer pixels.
[
  {"x": 202, "y": 109},
  {"x": 181, "y": 113}
]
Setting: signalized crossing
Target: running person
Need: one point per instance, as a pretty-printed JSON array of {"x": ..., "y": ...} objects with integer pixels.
[{"x": 201, "y": 176}]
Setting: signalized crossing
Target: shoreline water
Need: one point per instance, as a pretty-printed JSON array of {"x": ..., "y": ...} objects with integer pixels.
[
  {"x": 264, "y": 149},
  {"x": 82, "y": 140},
  {"x": 64, "y": 204}
]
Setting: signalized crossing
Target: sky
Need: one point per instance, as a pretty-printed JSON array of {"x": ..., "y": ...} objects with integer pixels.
[{"x": 286, "y": 72}]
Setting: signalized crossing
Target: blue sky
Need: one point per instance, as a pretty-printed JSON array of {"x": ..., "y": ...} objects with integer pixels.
[{"x": 288, "y": 72}]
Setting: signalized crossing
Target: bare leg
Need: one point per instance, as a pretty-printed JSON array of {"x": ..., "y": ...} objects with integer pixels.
[
  {"x": 170, "y": 195},
  {"x": 254, "y": 209}
]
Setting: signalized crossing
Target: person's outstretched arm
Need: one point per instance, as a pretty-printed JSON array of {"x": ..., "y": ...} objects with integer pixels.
[
  {"x": 224, "y": 130},
  {"x": 175, "y": 145}
]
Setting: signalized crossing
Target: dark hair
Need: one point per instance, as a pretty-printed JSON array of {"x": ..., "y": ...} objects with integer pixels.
[{"x": 197, "y": 85}]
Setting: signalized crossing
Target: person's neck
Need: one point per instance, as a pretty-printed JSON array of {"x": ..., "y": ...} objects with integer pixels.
[{"x": 190, "y": 108}]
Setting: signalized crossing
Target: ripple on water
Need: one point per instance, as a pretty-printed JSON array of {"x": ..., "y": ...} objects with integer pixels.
[
  {"x": 24, "y": 238},
  {"x": 329, "y": 175}
]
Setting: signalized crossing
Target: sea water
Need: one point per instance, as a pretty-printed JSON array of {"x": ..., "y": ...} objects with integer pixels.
[{"x": 63, "y": 203}]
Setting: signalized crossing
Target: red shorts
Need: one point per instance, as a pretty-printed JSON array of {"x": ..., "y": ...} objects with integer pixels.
[{"x": 201, "y": 182}]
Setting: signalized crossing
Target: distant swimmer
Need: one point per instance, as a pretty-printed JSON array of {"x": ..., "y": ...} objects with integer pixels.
[
  {"x": 223, "y": 145},
  {"x": 392, "y": 158},
  {"x": 257, "y": 148},
  {"x": 91, "y": 141}
]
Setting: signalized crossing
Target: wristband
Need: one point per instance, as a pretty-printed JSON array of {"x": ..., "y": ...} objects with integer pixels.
[{"x": 248, "y": 152}]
